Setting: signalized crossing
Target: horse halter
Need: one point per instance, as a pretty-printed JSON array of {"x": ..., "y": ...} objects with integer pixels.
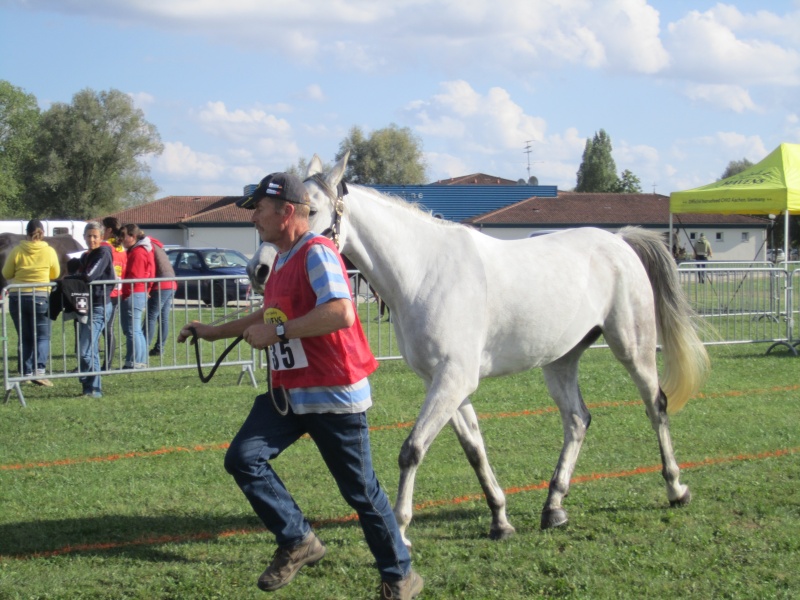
[{"x": 337, "y": 198}]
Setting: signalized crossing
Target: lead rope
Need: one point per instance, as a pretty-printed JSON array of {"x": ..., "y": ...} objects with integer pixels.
[
  {"x": 207, "y": 378},
  {"x": 193, "y": 330}
]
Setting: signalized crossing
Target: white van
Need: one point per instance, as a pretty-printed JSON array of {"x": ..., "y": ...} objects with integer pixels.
[{"x": 52, "y": 228}]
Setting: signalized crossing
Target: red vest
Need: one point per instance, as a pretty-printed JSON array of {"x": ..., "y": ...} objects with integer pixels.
[
  {"x": 120, "y": 258},
  {"x": 339, "y": 358}
]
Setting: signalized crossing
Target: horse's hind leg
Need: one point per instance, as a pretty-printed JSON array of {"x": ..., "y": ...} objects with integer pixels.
[
  {"x": 561, "y": 377},
  {"x": 677, "y": 493},
  {"x": 642, "y": 367},
  {"x": 465, "y": 424}
]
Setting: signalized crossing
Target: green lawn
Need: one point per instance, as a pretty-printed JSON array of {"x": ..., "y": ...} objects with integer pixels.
[{"x": 126, "y": 497}]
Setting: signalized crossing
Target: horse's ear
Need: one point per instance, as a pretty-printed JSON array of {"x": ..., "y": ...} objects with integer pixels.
[
  {"x": 314, "y": 166},
  {"x": 337, "y": 172}
]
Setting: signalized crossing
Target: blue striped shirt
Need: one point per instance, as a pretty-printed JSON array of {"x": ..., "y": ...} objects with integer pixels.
[{"x": 328, "y": 283}]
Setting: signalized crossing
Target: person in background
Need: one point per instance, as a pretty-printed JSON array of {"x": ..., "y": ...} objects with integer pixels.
[
  {"x": 702, "y": 253},
  {"x": 96, "y": 264},
  {"x": 160, "y": 301},
  {"x": 133, "y": 302},
  {"x": 319, "y": 354},
  {"x": 112, "y": 237},
  {"x": 32, "y": 261}
]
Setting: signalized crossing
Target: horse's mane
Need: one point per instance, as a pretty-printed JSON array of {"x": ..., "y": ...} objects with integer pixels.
[{"x": 413, "y": 207}]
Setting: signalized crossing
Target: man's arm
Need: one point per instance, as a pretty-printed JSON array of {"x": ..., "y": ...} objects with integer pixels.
[
  {"x": 325, "y": 318},
  {"x": 224, "y": 330}
]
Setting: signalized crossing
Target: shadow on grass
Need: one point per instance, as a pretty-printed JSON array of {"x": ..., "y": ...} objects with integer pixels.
[
  {"x": 136, "y": 536},
  {"x": 116, "y": 534}
]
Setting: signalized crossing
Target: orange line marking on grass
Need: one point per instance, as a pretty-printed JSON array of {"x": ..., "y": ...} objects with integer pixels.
[
  {"x": 206, "y": 535},
  {"x": 402, "y": 425},
  {"x": 113, "y": 457}
]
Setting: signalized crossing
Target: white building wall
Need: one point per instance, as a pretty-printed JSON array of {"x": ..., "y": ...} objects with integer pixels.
[
  {"x": 243, "y": 239},
  {"x": 730, "y": 246}
]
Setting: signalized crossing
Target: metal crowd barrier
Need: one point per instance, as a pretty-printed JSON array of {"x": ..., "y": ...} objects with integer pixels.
[
  {"x": 197, "y": 302},
  {"x": 743, "y": 305},
  {"x": 198, "y": 299},
  {"x": 747, "y": 304}
]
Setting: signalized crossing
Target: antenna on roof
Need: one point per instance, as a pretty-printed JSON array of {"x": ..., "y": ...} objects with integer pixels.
[
  {"x": 654, "y": 188},
  {"x": 528, "y": 152}
]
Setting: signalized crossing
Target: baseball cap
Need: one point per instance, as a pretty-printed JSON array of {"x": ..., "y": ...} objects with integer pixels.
[{"x": 281, "y": 186}]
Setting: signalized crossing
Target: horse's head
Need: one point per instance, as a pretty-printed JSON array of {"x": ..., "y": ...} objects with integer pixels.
[
  {"x": 326, "y": 192},
  {"x": 259, "y": 266}
]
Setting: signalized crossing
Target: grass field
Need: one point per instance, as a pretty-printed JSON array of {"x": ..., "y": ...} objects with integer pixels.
[{"x": 126, "y": 497}]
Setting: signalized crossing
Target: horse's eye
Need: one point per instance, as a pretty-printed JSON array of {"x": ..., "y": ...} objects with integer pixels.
[{"x": 312, "y": 212}]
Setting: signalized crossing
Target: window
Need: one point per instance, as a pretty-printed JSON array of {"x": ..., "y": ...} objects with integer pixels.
[
  {"x": 693, "y": 236},
  {"x": 745, "y": 236},
  {"x": 720, "y": 237}
]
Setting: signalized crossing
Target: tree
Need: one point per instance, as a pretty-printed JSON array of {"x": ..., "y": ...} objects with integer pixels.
[
  {"x": 87, "y": 157},
  {"x": 389, "y": 156},
  {"x": 628, "y": 183},
  {"x": 301, "y": 168},
  {"x": 736, "y": 166},
  {"x": 598, "y": 172},
  {"x": 19, "y": 119}
]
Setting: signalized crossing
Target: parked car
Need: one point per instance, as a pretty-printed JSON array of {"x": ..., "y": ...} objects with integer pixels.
[{"x": 205, "y": 262}]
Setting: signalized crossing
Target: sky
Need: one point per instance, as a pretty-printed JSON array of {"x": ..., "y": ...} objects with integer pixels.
[{"x": 241, "y": 88}]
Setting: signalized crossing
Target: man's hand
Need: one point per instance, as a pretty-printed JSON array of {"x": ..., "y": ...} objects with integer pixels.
[
  {"x": 260, "y": 336},
  {"x": 186, "y": 333}
]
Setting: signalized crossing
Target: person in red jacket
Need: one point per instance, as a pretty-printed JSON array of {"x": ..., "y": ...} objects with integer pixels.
[
  {"x": 140, "y": 265},
  {"x": 160, "y": 301},
  {"x": 112, "y": 237}
]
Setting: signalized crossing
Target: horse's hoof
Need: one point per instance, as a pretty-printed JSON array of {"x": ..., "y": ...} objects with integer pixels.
[
  {"x": 682, "y": 501},
  {"x": 555, "y": 517},
  {"x": 501, "y": 533}
]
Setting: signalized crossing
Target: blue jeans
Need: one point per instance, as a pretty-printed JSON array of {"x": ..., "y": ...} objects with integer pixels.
[
  {"x": 131, "y": 310},
  {"x": 88, "y": 347},
  {"x": 30, "y": 314},
  {"x": 343, "y": 442},
  {"x": 158, "y": 306},
  {"x": 108, "y": 334}
]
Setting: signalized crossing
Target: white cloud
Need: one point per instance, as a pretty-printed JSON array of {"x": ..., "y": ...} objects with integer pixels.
[
  {"x": 241, "y": 125},
  {"x": 486, "y": 124},
  {"x": 142, "y": 99},
  {"x": 180, "y": 161},
  {"x": 314, "y": 92},
  {"x": 518, "y": 36},
  {"x": 728, "y": 97},
  {"x": 705, "y": 48}
]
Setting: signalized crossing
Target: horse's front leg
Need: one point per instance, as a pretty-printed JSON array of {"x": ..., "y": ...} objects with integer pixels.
[
  {"x": 562, "y": 382},
  {"x": 441, "y": 402},
  {"x": 465, "y": 424}
]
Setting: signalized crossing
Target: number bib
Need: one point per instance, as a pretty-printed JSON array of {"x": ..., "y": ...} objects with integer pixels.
[{"x": 284, "y": 356}]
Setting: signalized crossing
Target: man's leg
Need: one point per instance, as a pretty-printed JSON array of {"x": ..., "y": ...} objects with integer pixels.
[
  {"x": 343, "y": 441},
  {"x": 262, "y": 437}
]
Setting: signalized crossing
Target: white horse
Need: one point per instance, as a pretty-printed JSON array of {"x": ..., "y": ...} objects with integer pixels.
[{"x": 467, "y": 306}]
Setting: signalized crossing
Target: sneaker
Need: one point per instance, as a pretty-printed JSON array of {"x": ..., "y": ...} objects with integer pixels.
[
  {"x": 405, "y": 589},
  {"x": 154, "y": 352},
  {"x": 42, "y": 382},
  {"x": 92, "y": 394},
  {"x": 286, "y": 562}
]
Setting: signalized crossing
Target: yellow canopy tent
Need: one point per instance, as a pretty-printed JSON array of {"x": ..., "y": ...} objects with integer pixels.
[{"x": 770, "y": 187}]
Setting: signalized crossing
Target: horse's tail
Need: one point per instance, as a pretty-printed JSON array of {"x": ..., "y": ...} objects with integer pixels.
[{"x": 686, "y": 363}]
